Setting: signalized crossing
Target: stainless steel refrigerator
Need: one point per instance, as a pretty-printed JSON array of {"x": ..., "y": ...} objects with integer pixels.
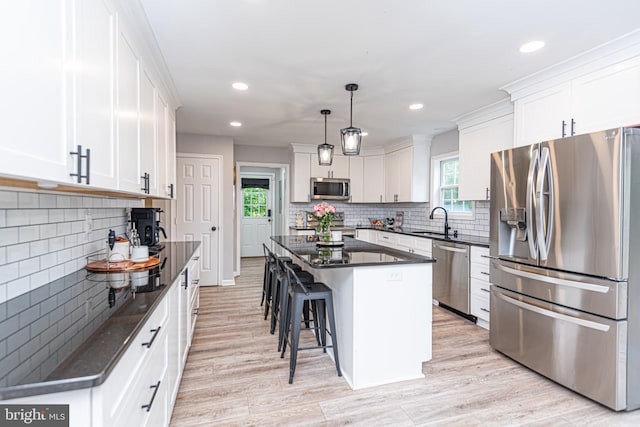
[{"x": 565, "y": 267}]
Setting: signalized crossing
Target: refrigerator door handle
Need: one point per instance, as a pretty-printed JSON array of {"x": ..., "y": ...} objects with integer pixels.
[
  {"x": 544, "y": 236},
  {"x": 553, "y": 280},
  {"x": 553, "y": 314},
  {"x": 534, "y": 164}
]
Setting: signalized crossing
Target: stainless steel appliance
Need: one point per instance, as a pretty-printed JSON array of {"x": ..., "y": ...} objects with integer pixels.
[
  {"x": 338, "y": 224},
  {"x": 330, "y": 189},
  {"x": 565, "y": 299},
  {"x": 451, "y": 276}
]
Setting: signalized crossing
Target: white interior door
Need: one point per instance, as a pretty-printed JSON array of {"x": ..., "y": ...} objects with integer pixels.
[
  {"x": 198, "y": 216},
  {"x": 256, "y": 223}
]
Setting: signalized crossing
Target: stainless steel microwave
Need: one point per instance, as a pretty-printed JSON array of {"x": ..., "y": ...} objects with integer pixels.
[{"x": 330, "y": 189}]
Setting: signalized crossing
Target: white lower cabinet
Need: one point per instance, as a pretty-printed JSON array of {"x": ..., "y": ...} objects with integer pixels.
[
  {"x": 480, "y": 287},
  {"x": 403, "y": 242}
]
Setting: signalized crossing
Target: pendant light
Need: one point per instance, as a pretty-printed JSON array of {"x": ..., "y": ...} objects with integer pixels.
[
  {"x": 351, "y": 137},
  {"x": 325, "y": 151}
]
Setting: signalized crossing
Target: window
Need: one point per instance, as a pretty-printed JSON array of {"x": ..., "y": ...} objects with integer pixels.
[
  {"x": 445, "y": 185},
  {"x": 255, "y": 202}
]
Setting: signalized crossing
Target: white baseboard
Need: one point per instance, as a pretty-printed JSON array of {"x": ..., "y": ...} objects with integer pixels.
[{"x": 228, "y": 282}]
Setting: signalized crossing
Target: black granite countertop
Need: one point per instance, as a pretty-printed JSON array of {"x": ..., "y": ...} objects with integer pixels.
[
  {"x": 353, "y": 253},
  {"x": 461, "y": 238},
  {"x": 70, "y": 333}
]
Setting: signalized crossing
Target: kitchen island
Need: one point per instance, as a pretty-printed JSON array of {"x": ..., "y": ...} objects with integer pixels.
[{"x": 382, "y": 300}]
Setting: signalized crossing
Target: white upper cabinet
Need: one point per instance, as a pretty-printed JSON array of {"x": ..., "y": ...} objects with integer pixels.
[
  {"x": 591, "y": 92},
  {"x": 339, "y": 167},
  {"x": 75, "y": 85},
  {"x": 36, "y": 52},
  {"x": 300, "y": 177},
  {"x": 165, "y": 130},
  {"x": 607, "y": 98},
  {"x": 476, "y": 145},
  {"x": 541, "y": 116},
  {"x": 482, "y": 132},
  {"x": 373, "y": 179},
  {"x": 169, "y": 186},
  {"x": 149, "y": 149},
  {"x": 356, "y": 177},
  {"x": 407, "y": 172},
  {"x": 128, "y": 117}
]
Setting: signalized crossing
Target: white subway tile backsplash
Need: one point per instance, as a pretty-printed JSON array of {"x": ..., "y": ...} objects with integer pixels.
[
  {"x": 63, "y": 228},
  {"x": 38, "y": 216},
  {"x": 16, "y": 217},
  {"x": 47, "y": 201},
  {"x": 28, "y": 233},
  {"x": 42, "y": 235},
  {"x": 56, "y": 215},
  {"x": 39, "y": 247},
  {"x": 28, "y": 200},
  {"x": 8, "y": 236},
  {"x": 8, "y": 200},
  {"x": 29, "y": 266},
  {"x": 18, "y": 252},
  {"x": 48, "y": 260},
  {"x": 17, "y": 287},
  {"x": 47, "y": 231}
]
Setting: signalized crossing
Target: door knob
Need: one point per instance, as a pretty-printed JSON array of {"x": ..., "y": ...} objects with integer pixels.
[{"x": 214, "y": 228}]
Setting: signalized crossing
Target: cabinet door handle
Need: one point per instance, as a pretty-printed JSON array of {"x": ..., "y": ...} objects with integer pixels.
[
  {"x": 484, "y": 309},
  {"x": 78, "y": 175},
  {"x": 484, "y": 272},
  {"x": 155, "y": 331},
  {"x": 171, "y": 190},
  {"x": 153, "y": 396},
  {"x": 485, "y": 289},
  {"x": 573, "y": 124},
  {"x": 486, "y": 197},
  {"x": 564, "y": 125}
]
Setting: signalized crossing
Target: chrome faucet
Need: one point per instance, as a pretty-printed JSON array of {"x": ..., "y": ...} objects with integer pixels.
[{"x": 446, "y": 220}]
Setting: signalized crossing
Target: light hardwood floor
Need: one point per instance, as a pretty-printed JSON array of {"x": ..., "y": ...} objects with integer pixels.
[{"x": 234, "y": 376}]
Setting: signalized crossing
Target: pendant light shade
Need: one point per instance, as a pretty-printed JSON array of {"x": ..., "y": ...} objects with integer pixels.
[
  {"x": 325, "y": 151},
  {"x": 351, "y": 137}
]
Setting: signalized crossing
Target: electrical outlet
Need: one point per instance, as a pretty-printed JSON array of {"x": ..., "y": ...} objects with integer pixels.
[
  {"x": 88, "y": 222},
  {"x": 394, "y": 276}
]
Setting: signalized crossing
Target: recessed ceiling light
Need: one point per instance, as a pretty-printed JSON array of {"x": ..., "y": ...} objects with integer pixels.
[
  {"x": 240, "y": 86},
  {"x": 416, "y": 106},
  {"x": 532, "y": 46},
  {"x": 236, "y": 124}
]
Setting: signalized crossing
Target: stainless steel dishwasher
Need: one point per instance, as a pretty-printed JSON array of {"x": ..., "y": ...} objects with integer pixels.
[{"x": 451, "y": 276}]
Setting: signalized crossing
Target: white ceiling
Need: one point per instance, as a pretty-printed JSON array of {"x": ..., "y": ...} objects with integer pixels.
[{"x": 297, "y": 55}]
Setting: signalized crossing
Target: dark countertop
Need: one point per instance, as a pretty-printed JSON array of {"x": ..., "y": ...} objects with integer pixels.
[
  {"x": 70, "y": 333},
  {"x": 462, "y": 238},
  {"x": 354, "y": 253}
]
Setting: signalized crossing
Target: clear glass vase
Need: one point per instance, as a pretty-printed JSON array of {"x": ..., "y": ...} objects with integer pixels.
[{"x": 324, "y": 234}]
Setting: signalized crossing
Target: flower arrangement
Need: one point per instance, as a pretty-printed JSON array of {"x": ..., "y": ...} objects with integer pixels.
[{"x": 323, "y": 213}]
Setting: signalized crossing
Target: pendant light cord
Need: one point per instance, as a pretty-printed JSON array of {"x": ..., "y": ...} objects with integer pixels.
[
  {"x": 351, "y": 111},
  {"x": 325, "y": 129}
]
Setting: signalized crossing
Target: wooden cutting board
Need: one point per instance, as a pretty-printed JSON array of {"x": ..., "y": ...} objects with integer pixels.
[{"x": 104, "y": 265}]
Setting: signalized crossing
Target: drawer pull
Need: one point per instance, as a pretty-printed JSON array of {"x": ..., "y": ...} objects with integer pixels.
[
  {"x": 485, "y": 289},
  {"x": 196, "y": 281},
  {"x": 484, "y": 309},
  {"x": 155, "y": 331},
  {"x": 195, "y": 258},
  {"x": 484, "y": 272},
  {"x": 153, "y": 397},
  {"x": 195, "y": 311}
]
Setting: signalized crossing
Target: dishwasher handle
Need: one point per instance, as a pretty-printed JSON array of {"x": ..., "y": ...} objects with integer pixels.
[{"x": 451, "y": 248}]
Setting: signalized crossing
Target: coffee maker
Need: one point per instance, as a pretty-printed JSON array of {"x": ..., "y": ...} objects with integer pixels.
[{"x": 147, "y": 222}]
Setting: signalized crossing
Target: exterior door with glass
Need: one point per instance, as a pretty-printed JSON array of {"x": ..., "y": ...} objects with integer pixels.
[{"x": 257, "y": 212}]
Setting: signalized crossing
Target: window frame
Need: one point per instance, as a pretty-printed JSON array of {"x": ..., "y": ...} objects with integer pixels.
[
  {"x": 436, "y": 187},
  {"x": 252, "y": 206}
]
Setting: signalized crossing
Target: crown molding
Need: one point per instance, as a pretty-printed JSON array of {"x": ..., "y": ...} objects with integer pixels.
[{"x": 498, "y": 109}]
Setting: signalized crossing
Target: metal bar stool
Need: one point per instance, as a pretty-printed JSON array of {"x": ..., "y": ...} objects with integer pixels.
[
  {"x": 320, "y": 296},
  {"x": 281, "y": 299},
  {"x": 268, "y": 285}
]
